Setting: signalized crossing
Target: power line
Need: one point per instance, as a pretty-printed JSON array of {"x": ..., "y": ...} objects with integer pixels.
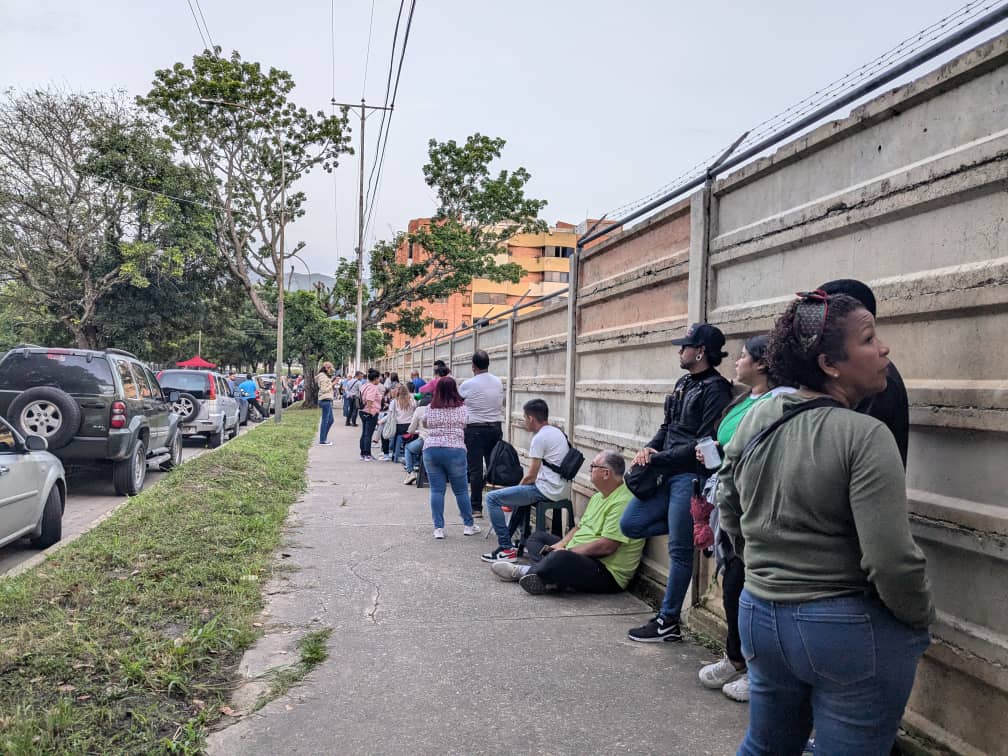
[
  {"x": 367, "y": 55},
  {"x": 212, "y": 45},
  {"x": 198, "y": 27},
  {"x": 388, "y": 91},
  {"x": 395, "y": 92}
]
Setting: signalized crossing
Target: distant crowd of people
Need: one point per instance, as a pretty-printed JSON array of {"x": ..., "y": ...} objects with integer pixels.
[{"x": 795, "y": 486}]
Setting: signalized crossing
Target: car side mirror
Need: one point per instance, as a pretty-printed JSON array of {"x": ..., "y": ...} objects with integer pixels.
[
  {"x": 173, "y": 396},
  {"x": 36, "y": 443}
]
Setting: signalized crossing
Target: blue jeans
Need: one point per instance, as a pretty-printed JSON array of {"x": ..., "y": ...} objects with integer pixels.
[
  {"x": 513, "y": 497},
  {"x": 410, "y": 452},
  {"x": 667, "y": 512},
  {"x": 368, "y": 425},
  {"x": 327, "y": 419},
  {"x": 446, "y": 465},
  {"x": 845, "y": 665}
]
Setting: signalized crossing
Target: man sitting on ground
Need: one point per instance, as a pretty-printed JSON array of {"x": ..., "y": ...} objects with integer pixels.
[
  {"x": 540, "y": 482},
  {"x": 594, "y": 557}
]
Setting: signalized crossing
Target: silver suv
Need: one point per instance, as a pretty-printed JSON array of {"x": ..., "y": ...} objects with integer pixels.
[
  {"x": 206, "y": 404},
  {"x": 32, "y": 489}
]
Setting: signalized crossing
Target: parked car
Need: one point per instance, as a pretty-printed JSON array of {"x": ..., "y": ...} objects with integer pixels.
[
  {"x": 32, "y": 489},
  {"x": 287, "y": 397},
  {"x": 205, "y": 404},
  {"x": 91, "y": 406}
]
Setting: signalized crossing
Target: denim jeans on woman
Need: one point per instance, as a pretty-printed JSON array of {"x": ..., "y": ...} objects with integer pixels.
[
  {"x": 327, "y": 419},
  {"x": 368, "y": 425},
  {"x": 447, "y": 465},
  {"x": 410, "y": 453},
  {"x": 667, "y": 512},
  {"x": 845, "y": 665}
]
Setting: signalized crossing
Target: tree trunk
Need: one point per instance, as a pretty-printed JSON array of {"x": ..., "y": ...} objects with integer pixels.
[{"x": 310, "y": 386}]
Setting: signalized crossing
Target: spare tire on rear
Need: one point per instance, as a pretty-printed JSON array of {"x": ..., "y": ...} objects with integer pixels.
[
  {"x": 48, "y": 412},
  {"x": 187, "y": 407}
]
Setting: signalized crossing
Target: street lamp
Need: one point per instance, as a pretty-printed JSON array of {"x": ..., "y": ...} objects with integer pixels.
[{"x": 279, "y": 266}]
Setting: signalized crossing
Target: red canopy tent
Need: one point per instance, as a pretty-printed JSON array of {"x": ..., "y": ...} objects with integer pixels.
[{"x": 195, "y": 362}]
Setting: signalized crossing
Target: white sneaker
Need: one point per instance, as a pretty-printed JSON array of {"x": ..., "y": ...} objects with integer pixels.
[
  {"x": 738, "y": 690},
  {"x": 718, "y": 674},
  {"x": 439, "y": 533},
  {"x": 471, "y": 529},
  {"x": 410, "y": 478}
]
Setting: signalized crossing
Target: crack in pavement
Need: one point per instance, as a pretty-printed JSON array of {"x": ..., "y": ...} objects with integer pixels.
[{"x": 372, "y": 614}]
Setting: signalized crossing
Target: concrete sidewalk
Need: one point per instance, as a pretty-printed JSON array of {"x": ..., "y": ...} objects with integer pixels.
[{"x": 431, "y": 654}]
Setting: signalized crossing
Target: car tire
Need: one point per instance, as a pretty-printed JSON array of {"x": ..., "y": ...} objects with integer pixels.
[
  {"x": 216, "y": 439},
  {"x": 52, "y": 521},
  {"x": 187, "y": 407},
  {"x": 175, "y": 452},
  {"x": 48, "y": 412},
  {"x": 128, "y": 475}
]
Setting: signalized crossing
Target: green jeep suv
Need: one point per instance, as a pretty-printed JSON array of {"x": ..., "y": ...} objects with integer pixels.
[{"x": 91, "y": 406}]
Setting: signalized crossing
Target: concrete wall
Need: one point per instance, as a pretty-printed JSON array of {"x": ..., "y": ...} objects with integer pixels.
[{"x": 910, "y": 194}]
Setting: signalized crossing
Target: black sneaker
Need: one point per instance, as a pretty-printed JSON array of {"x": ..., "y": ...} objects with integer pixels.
[
  {"x": 658, "y": 630},
  {"x": 501, "y": 555},
  {"x": 534, "y": 584}
]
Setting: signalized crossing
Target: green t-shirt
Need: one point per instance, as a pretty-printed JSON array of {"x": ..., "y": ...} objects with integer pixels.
[
  {"x": 601, "y": 520},
  {"x": 727, "y": 427}
]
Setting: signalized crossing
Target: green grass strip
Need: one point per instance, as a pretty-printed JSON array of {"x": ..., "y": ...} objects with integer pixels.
[{"x": 127, "y": 640}]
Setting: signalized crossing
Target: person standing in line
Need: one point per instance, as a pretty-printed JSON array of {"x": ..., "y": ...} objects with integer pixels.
[
  {"x": 440, "y": 370},
  {"x": 402, "y": 406},
  {"x": 835, "y": 611},
  {"x": 351, "y": 393},
  {"x": 325, "y": 400},
  {"x": 730, "y": 674},
  {"x": 371, "y": 399},
  {"x": 484, "y": 398},
  {"x": 416, "y": 382},
  {"x": 691, "y": 412},
  {"x": 418, "y": 432},
  {"x": 444, "y": 455},
  {"x": 892, "y": 405}
]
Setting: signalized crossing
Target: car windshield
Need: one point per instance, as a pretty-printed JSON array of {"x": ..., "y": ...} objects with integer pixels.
[
  {"x": 183, "y": 380},
  {"x": 77, "y": 374}
]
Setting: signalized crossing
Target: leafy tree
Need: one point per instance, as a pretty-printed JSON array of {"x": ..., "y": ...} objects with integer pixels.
[
  {"x": 477, "y": 213},
  {"x": 86, "y": 204},
  {"x": 238, "y": 125}
]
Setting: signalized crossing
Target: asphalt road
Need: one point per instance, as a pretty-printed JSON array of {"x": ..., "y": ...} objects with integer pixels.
[{"x": 91, "y": 497}]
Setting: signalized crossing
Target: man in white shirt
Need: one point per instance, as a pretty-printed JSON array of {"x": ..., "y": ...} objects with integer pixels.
[
  {"x": 484, "y": 399},
  {"x": 540, "y": 482}
]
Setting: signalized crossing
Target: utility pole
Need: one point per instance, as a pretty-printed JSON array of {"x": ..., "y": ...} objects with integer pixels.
[{"x": 360, "y": 224}]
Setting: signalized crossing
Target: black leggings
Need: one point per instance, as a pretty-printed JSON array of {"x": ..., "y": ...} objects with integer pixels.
[
  {"x": 732, "y": 584},
  {"x": 566, "y": 570}
]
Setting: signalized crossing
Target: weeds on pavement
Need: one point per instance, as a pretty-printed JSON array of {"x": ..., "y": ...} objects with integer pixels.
[{"x": 126, "y": 640}]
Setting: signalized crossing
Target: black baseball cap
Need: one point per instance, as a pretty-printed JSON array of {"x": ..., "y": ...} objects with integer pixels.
[{"x": 702, "y": 334}]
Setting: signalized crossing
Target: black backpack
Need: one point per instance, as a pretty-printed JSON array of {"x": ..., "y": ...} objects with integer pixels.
[
  {"x": 570, "y": 464},
  {"x": 504, "y": 468}
]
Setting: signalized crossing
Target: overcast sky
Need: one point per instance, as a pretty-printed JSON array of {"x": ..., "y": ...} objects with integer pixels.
[{"x": 602, "y": 102}]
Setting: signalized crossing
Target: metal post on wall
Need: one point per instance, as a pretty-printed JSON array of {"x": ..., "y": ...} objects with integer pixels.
[
  {"x": 571, "y": 362},
  {"x": 508, "y": 394}
]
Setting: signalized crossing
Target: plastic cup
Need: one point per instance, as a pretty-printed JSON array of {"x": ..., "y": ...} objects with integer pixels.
[{"x": 708, "y": 448}]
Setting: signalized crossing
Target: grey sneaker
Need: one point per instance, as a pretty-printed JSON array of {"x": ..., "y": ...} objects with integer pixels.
[
  {"x": 738, "y": 690},
  {"x": 410, "y": 478},
  {"x": 471, "y": 529},
  {"x": 509, "y": 572},
  {"x": 718, "y": 674},
  {"x": 534, "y": 584},
  {"x": 439, "y": 533}
]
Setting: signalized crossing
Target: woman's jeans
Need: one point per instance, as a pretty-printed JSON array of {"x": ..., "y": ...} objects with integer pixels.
[
  {"x": 368, "y": 425},
  {"x": 845, "y": 665},
  {"x": 327, "y": 419},
  {"x": 667, "y": 512},
  {"x": 399, "y": 443},
  {"x": 410, "y": 453},
  {"x": 446, "y": 465}
]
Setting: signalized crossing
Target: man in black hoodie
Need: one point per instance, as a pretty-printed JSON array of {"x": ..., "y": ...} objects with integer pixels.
[
  {"x": 691, "y": 412},
  {"x": 891, "y": 406}
]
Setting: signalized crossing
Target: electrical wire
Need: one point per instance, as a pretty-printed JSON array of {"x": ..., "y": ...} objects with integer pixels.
[
  {"x": 198, "y": 27},
  {"x": 395, "y": 92},
  {"x": 834, "y": 90},
  {"x": 212, "y": 45},
  {"x": 367, "y": 55},
  {"x": 388, "y": 91}
]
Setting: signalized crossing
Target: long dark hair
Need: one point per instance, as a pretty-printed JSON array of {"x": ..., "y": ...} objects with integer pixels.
[
  {"x": 792, "y": 356},
  {"x": 446, "y": 394}
]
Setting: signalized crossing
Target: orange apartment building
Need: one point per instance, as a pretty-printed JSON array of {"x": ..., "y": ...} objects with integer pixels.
[{"x": 545, "y": 258}]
